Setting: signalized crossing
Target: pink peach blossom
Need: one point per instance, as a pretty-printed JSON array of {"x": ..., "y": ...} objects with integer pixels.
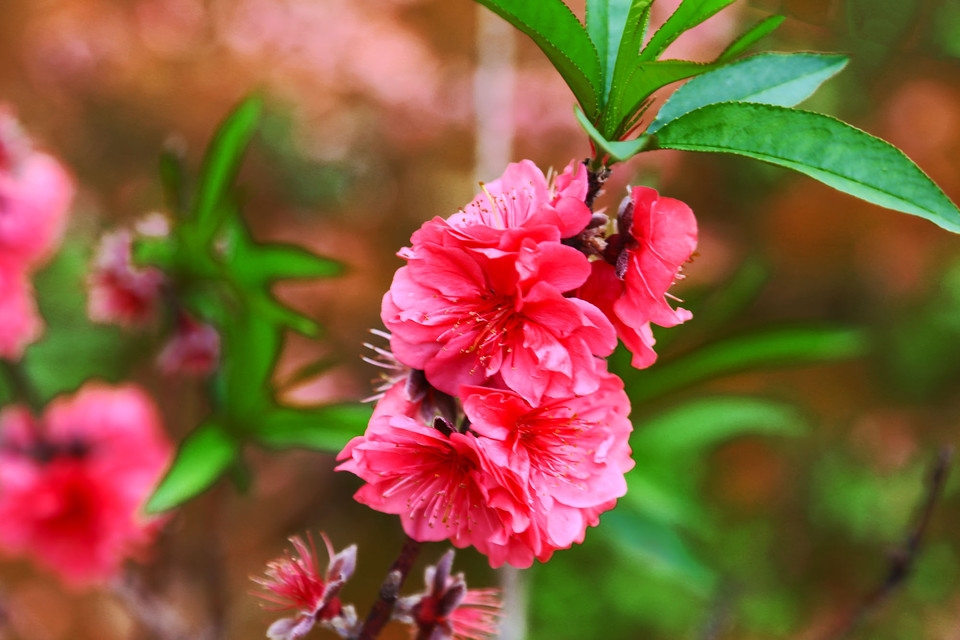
[
  {"x": 463, "y": 316},
  {"x": 35, "y": 197},
  {"x": 448, "y": 610},
  {"x": 294, "y": 583},
  {"x": 570, "y": 453},
  {"x": 20, "y": 323},
  {"x": 440, "y": 484},
  {"x": 120, "y": 292},
  {"x": 73, "y": 481},
  {"x": 657, "y": 235}
]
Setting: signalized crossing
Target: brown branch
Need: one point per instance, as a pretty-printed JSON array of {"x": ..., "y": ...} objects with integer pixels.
[
  {"x": 595, "y": 182},
  {"x": 903, "y": 559},
  {"x": 389, "y": 591}
]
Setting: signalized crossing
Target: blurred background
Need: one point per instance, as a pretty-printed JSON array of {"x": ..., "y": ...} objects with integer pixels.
[{"x": 784, "y": 438}]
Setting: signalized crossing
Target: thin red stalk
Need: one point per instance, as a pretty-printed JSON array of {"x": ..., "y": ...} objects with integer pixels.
[{"x": 389, "y": 591}]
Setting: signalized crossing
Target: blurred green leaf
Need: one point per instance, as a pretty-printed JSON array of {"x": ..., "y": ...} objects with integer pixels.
[
  {"x": 706, "y": 422},
  {"x": 752, "y": 36},
  {"x": 557, "y": 31},
  {"x": 202, "y": 458},
  {"x": 770, "y": 348},
  {"x": 326, "y": 428},
  {"x": 783, "y": 79},
  {"x": 819, "y": 146},
  {"x": 659, "y": 547},
  {"x": 221, "y": 164},
  {"x": 689, "y": 14},
  {"x": 867, "y": 506},
  {"x": 663, "y": 501},
  {"x": 250, "y": 347},
  {"x": 172, "y": 178}
]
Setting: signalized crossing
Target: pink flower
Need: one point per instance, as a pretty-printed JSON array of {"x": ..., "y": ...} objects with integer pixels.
[
  {"x": 35, "y": 197},
  {"x": 570, "y": 454},
  {"x": 521, "y": 203},
  {"x": 120, "y": 292},
  {"x": 293, "y": 583},
  {"x": 447, "y": 610},
  {"x": 73, "y": 481},
  {"x": 464, "y": 316},
  {"x": 193, "y": 350},
  {"x": 657, "y": 235},
  {"x": 20, "y": 323},
  {"x": 439, "y": 482}
]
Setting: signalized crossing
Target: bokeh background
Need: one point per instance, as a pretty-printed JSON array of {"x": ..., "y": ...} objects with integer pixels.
[{"x": 794, "y": 418}]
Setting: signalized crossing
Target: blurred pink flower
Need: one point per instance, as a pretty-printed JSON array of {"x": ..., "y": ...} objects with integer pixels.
[
  {"x": 448, "y": 610},
  {"x": 35, "y": 197},
  {"x": 193, "y": 350},
  {"x": 20, "y": 323},
  {"x": 656, "y": 236},
  {"x": 119, "y": 291},
  {"x": 73, "y": 481},
  {"x": 293, "y": 583}
]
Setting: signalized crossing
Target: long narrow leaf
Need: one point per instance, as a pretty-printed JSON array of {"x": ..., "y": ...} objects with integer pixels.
[
  {"x": 222, "y": 162},
  {"x": 822, "y": 147},
  {"x": 753, "y": 35},
  {"x": 618, "y": 151},
  {"x": 769, "y": 78},
  {"x": 628, "y": 48},
  {"x": 689, "y": 14},
  {"x": 773, "y": 348},
  {"x": 321, "y": 428},
  {"x": 203, "y": 457},
  {"x": 707, "y": 422},
  {"x": 644, "y": 79},
  {"x": 559, "y": 34}
]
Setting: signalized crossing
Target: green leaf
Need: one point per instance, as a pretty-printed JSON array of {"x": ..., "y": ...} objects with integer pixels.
[
  {"x": 320, "y": 428},
  {"x": 819, "y": 146},
  {"x": 250, "y": 348},
  {"x": 616, "y": 28},
  {"x": 202, "y": 458},
  {"x": 222, "y": 162},
  {"x": 659, "y": 547},
  {"x": 172, "y": 179},
  {"x": 663, "y": 502},
  {"x": 689, "y": 14},
  {"x": 769, "y": 78},
  {"x": 706, "y": 422},
  {"x": 771, "y": 348},
  {"x": 753, "y": 35},
  {"x": 559, "y": 34},
  {"x": 643, "y": 80},
  {"x": 619, "y": 150},
  {"x": 266, "y": 262}
]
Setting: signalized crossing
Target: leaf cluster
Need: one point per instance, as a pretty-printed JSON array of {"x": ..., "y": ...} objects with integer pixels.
[
  {"x": 728, "y": 105},
  {"x": 223, "y": 276}
]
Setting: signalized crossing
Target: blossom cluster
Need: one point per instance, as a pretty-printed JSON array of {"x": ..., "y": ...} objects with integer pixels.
[
  {"x": 72, "y": 481},
  {"x": 502, "y": 428},
  {"x": 35, "y": 197},
  {"x": 446, "y": 610}
]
